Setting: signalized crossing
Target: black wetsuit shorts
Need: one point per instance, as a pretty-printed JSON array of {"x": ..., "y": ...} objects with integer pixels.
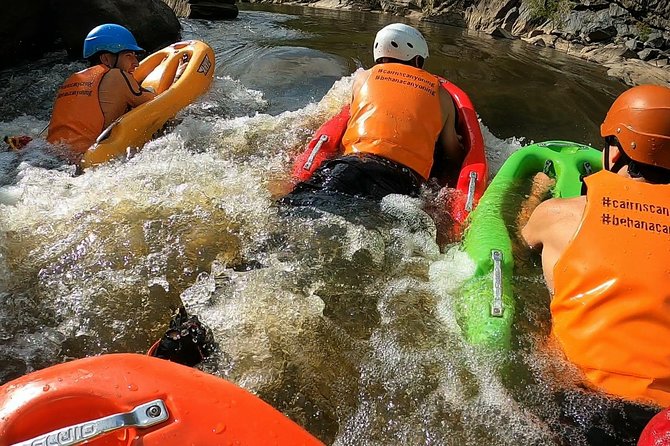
[{"x": 366, "y": 176}]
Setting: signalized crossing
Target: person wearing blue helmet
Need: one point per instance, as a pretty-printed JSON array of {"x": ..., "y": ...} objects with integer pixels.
[{"x": 90, "y": 100}]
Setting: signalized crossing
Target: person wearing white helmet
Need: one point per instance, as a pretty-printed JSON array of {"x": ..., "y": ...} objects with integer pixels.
[
  {"x": 401, "y": 121},
  {"x": 90, "y": 100}
]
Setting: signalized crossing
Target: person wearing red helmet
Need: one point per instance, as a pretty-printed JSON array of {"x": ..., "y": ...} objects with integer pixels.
[
  {"x": 399, "y": 113},
  {"x": 606, "y": 255},
  {"x": 90, "y": 100}
]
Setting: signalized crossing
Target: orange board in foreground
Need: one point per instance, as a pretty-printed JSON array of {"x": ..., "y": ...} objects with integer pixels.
[{"x": 129, "y": 399}]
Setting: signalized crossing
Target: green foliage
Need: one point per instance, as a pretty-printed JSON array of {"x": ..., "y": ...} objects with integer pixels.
[
  {"x": 553, "y": 10},
  {"x": 643, "y": 31}
]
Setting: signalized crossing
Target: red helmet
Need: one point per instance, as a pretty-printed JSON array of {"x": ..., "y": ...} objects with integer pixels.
[
  {"x": 657, "y": 432},
  {"x": 640, "y": 119}
]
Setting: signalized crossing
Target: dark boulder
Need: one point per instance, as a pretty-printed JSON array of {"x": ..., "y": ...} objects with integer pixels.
[
  {"x": 633, "y": 45},
  {"x": 28, "y": 31},
  {"x": 152, "y": 22},
  {"x": 600, "y": 34},
  {"x": 503, "y": 33},
  {"x": 655, "y": 40},
  {"x": 626, "y": 53},
  {"x": 34, "y": 27},
  {"x": 213, "y": 9},
  {"x": 205, "y": 9},
  {"x": 649, "y": 54}
]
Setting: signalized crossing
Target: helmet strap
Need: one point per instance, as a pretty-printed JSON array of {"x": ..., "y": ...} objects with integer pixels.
[
  {"x": 416, "y": 61},
  {"x": 606, "y": 157},
  {"x": 419, "y": 61},
  {"x": 634, "y": 169},
  {"x": 622, "y": 161}
]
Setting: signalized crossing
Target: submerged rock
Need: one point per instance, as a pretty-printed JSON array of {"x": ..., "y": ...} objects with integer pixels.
[
  {"x": 204, "y": 9},
  {"x": 213, "y": 9}
]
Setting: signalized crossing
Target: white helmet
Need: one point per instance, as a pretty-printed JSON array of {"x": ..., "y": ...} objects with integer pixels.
[{"x": 399, "y": 41}]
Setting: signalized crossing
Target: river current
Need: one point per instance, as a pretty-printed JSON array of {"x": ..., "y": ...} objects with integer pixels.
[{"x": 343, "y": 321}]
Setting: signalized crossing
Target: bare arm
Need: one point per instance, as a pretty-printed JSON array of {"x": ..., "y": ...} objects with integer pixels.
[
  {"x": 119, "y": 91},
  {"x": 449, "y": 151},
  {"x": 539, "y": 191},
  {"x": 454, "y": 152},
  {"x": 551, "y": 227},
  {"x": 136, "y": 95},
  {"x": 532, "y": 232}
]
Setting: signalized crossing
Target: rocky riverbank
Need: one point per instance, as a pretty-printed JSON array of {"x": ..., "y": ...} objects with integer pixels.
[{"x": 629, "y": 37}]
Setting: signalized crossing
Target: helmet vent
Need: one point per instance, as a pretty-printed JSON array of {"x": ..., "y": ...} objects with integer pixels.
[{"x": 400, "y": 42}]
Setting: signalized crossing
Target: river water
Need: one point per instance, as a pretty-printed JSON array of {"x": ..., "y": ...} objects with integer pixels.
[{"x": 343, "y": 321}]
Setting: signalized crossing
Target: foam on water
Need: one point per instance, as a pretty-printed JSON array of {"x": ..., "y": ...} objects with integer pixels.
[
  {"x": 346, "y": 326},
  {"x": 136, "y": 230}
]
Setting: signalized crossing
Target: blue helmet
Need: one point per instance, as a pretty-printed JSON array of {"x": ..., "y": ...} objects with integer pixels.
[{"x": 111, "y": 38}]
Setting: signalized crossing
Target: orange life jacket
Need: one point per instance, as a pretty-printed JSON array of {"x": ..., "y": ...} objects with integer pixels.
[
  {"x": 611, "y": 310},
  {"x": 77, "y": 119},
  {"x": 396, "y": 114}
]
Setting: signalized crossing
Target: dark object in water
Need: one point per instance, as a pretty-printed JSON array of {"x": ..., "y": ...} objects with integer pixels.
[
  {"x": 599, "y": 419},
  {"x": 186, "y": 342},
  {"x": 16, "y": 143}
]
